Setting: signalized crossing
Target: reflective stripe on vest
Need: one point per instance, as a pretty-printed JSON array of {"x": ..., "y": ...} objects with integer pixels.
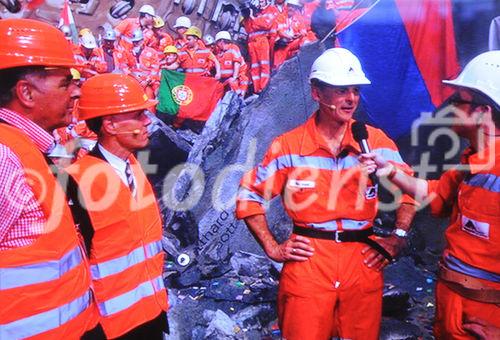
[
  {"x": 245, "y": 194},
  {"x": 320, "y": 163},
  {"x": 39, "y": 272},
  {"x": 457, "y": 265},
  {"x": 45, "y": 321},
  {"x": 226, "y": 72},
  {"x": 488, "y": 182},
  {"x": 346, "y": 225},
  {"x": 194, "y": 70},
  {"x": 128, "y": 299},
  {"x": 257, "y": 33},
  {"x": 138, "y": 255}
]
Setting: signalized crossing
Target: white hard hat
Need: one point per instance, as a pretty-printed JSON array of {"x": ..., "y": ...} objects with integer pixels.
[
  {"x": 60, "y": 151},
  {"x": 137, "y": 35},
  {"x": 481, "y": 74},
  {"x": 295, "y": 3},
  {"x": 208, "y": 39},
  {"x": 222, "y": 35},
  {"x": 338, "y": 67},
  {"x": 109, "y": 35},
  {"x": 147, "y": 9},
  {"x": 87, "y": 40},
  {"x": 182, "y": 22}
]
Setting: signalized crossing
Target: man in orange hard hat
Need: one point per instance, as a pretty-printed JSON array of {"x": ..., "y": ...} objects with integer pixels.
[
  {"x": 44, "y": 275},
  {"x": 117, "y": 212}
]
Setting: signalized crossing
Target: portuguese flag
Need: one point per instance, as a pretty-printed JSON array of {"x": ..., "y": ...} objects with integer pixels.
[{"x": 188, "y": 96}]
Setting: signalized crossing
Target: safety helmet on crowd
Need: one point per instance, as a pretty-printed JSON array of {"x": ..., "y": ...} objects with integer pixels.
[
  {"x": 158, "y": 22},
  {"x": 112, "y": 93},
  {"x": 27, "y": 42},
  {"x": 147, "y": 9},
  {"x": 84, "y": 31},
  {"x": 481, "y": 74},
  {"x": 338, "y": 67},
  {"x": 109, "y": 35},
  {"x": 193, "y": 31},
  {"x": 170, "y": 49},
  {"x": 296, "y": 3},
  {"x": 182, "y": 22},
  {"x": 137, "y": 35},
  {"x": 222, "y": 35},
  {"x": 87, "y": 40},
  {"x": 59, "y": 151},
  {"x": 208, "y": 39},
  {"x": 75, "y": 74}
]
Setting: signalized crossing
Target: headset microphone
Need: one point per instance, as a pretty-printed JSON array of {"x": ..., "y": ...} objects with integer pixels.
[
  {"x": 360, "y": 134},
  {"x": 331, "y": 106}
]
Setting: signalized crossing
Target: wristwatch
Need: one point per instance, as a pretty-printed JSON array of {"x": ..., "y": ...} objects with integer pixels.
[{"x": 400, "y": 233}]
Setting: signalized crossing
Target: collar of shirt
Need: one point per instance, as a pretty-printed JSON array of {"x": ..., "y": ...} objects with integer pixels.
[
  {"x": 312, "y": 140},
  {"x": 116, "y": 163},
  {"x": 42, "y": 139},
  {"x": 485, "y": 160}
]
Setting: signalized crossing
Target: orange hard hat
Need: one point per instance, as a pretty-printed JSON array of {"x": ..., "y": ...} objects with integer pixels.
[
  {"x": 110, "y": 93},
  {"x": 27, "y": 42}
]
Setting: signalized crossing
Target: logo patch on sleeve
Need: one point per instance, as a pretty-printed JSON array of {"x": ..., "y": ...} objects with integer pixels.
[
  {"x": 476, "y": 228},
  {"x": 371, "y": 192}
]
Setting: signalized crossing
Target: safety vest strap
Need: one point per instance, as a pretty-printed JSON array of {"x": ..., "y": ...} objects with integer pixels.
[
  {"x": 40, "y": 272},
  {"x": 46, "y": 321},
  {"x": 120, "y": 264},
  {"x": 128, "y": 299}
]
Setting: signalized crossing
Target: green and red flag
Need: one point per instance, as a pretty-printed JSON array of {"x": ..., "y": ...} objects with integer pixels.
[{"x": 188, "y": 96}]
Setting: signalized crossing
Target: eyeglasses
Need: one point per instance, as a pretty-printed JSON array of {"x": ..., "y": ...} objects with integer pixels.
[{"x": 457, "y": 100}]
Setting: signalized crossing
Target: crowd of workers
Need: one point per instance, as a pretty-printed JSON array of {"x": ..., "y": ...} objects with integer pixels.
[
  {"x": 142, "y": 47},
  {"x": 103, "y": 278}
]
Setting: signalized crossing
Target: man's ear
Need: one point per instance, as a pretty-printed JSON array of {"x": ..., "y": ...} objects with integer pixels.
[
  {"x": 108, "y": 126},
  {"x": 483, "y": 114},
  {"x": 24, "y": 93},
  {"x": 314, "y": 93}
]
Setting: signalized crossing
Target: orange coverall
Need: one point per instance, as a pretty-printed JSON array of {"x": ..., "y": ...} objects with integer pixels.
[
  {"x": 334, "y": 292},
  {"x": 473, "y": 240}
]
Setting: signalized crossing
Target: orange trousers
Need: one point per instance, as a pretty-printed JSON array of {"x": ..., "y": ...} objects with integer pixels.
[
  {"x": 452, "y": 310},
  {"x": 260, "y": 68},
  {"x": 332, "y": 294}
]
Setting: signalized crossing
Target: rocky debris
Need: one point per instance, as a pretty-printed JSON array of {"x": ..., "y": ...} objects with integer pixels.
[
  {"x": 399, "y": 330},
  {"x": 221, "y": 326}
]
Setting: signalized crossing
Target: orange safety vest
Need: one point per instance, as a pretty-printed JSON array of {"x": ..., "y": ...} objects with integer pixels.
[
  {"x": 126, "y": 260},
  {"x": 196, "y": 61},
  {"x": 473, "y": 236},
  {"x": 95, "y": 64},
  {"x": 227, "y": 59},
  {"x": 44, "y": 287}
]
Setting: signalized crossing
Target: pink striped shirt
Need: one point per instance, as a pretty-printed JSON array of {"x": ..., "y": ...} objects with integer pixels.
[{"x": 21, "y": 216}]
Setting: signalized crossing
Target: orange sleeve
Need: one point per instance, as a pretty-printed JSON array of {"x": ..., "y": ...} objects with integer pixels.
[
  {"x": 445, "y": 192},
  {"x": 263, "y": 183}
]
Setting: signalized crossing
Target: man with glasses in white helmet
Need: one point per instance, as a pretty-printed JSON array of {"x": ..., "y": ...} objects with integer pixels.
[
  {"x": 331, "y": 282},
  {"x": 468, "y": 289}
]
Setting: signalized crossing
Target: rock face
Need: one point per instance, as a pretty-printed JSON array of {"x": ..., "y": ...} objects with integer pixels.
[{"x": 222, "y": 284}]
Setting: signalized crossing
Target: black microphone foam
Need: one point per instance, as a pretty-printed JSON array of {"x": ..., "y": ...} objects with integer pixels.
[
  {"x": 360, "y": 134},
  {"x": 359, "y": 131}
]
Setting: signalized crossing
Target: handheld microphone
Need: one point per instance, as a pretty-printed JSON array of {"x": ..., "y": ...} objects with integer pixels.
[
  {"x": 360, "y": 134},
  {"x": 134, "y": 132}
]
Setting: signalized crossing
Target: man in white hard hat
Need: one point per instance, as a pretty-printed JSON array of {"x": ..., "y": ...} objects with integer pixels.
[
  {"x": 331, "y": 282},
  {"x": 233, "y": 66},
  {"x": 468, "y": 289},
  {"x": 147, "y": 64},
  {"x": 181, "y": 25},
  {"x": 125, "y": 29},
  {"x": 118, "y": 60}
]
